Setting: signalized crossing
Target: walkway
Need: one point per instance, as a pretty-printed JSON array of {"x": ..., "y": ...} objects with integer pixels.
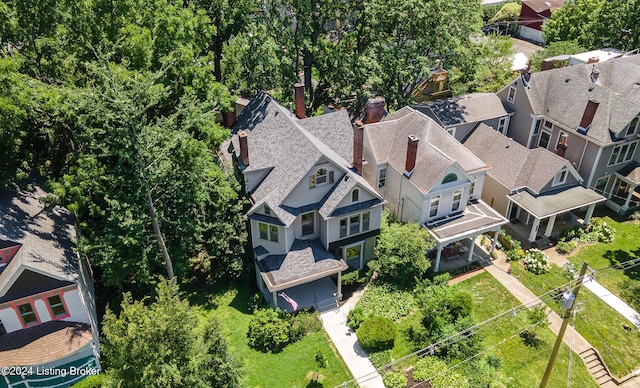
[{"x": 357, "y": 360}]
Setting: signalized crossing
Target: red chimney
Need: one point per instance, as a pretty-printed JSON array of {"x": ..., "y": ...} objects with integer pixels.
[
  {"x": 244, "y": 147},
  {"x": 230, "y": 118},
  {"x": 562, "y": 145},
  {"x": 375, "y": 110},
  {"x": 589, "y": 112},
  {"x": 358, "y": 141},
  {"x": 412, "y": 151},
  {"x": 593, "y": 60},
  {"x": 547, "y": 64},
  {"x": 299, "y": 100}
]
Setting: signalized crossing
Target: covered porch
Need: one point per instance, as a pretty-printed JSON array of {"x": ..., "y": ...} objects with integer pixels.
[
  {"x": 459, "y": 233},
  {"x": 546, "y": 209},
  {"x": 304, "y": 274},
  {"x": 623, "y": 194}
]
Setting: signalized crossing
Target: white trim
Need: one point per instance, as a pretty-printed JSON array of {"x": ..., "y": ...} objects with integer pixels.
[
  {"x": 511, "y": 98},
  {"x": 595, "y": 166},
  {"x": 560, "y": 178},
  {"x": 502, "y": 124},
  {"x": 451, "y": 131},
  {"x": 384, "y": 185},
  {"x": 344, "y": 252}
]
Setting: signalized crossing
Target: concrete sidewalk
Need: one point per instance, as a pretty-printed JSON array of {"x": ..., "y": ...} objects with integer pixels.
[
  {"x": 345, "y": 341},
  {"x": 609, "y": 298}
]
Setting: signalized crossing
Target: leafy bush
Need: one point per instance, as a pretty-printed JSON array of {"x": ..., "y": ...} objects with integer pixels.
[
  {"x": 461, "y": 304},
  {"x": 566, "y": 247},
  {"x": 494, "y": 361},
  {"x": 384, "y": 300},
  {"x": 536, "y": 262},
  {"x": 353, "y": 277},
  {"x": 355, "y": 318},
  {"x": 395, "y": 380},
  {"x": 377, "y": 333},
  {"x": 635, "y": 216},
  {"x": 380, "y": 359},
  {"x": 569, "y": 234},
  {"x": 268, "y": 330},
  {"x": 598, "y": 231},
  {"x": 431, "y": 369},
  {"x": 303, "y": 323},
  {"x": 515, "y": 254}
]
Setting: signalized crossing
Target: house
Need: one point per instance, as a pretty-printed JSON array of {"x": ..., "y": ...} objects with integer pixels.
[
  {"x": 312, "y": 214},
  {"x": 588, "y": 114},
  {"x": 427, "y": 176},
  {"x": 534, "y": 186},
  {"x": 47, "y": 309},
  {"x": 533, "y": 15},
  {"x": 587, "y": 57},
  {"x": 459, "y": 115}
]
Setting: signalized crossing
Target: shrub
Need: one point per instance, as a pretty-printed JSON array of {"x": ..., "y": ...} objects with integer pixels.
[
  {"x": 352, "y": 277},
  {"x": 536, "y": 262},
  {"x": 384, "y": 300},
  {"x": 303, "y": 323},
  {"x": 355, "y": 318},
  {"x": 380, "y": 359},
  {"x": 431, "y": 369},
  {"x": 635, "y": 216},
  {"x": 395, "y": 380},
  {"x": 268, "y": 330},
  {"x": 599, "y": 231},
  {"x": 566, "y": 247},
  {"x": 461, "y": 304},
  {"x": 377, "y": 333},
  {"x": 515, "y": 254},
  {"x": 494, "y": 361}
]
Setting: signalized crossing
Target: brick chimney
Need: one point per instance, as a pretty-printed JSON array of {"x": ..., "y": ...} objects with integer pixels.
[
  {"x": 230, "y": 118},
  {"x": 589, "y": 113},
  {"x": 594, "y": 74},
  {"x": 547, "y": 64},
  {"x": 562, "y": 145},
  {"x": 412, "y": 151},
  {"x": 299, "y": 100},
  {"x": 593, "y": 60},
  {"x": 358, "y": 142},
  {"x": 375, "y": 110},
  {"x": 244, "y": 147}
]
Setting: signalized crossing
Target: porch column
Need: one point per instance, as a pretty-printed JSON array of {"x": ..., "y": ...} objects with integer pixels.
[
  {"x": 473, "y": 244},
  {"x": 631, "y": 190},
  {"x": 509, "y": 206},
  {"x": 534, "y": 229},
  {"x": 614, "y": 186},
  {"x": 275, "y": 299},
  {"x": 340, "y": 285},
  {"x": 495, "y": 241},
  {"x": 587, "y": 216},
  {"x": 550, "y": 223},
  {"x": 438, "y": 254}
]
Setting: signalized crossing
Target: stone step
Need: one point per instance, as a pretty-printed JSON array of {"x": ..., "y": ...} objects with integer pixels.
[{"x": 597, "y": 368}]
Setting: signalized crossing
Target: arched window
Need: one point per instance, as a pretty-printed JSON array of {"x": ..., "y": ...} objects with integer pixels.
[
  {"x": 355, "y": 195},
  {"x": 450, "y": 178}
]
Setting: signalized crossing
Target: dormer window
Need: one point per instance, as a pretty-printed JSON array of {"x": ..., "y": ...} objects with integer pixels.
[
  {"x": 632, "y": 127},
  {"x": 560, "y": 178},
  {"x": 512, "y": 94},
  {"x": 321, "y": 177},
  {"x": 450, "y": 178},
  {"x": 355, "y": 195},
  {"x": 267, "y": 211}
]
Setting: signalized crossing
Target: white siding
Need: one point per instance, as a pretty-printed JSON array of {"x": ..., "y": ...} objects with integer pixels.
[
  {"x": 363, "y": 195},
  {"x": 334, "y": 223},
  {"x": 10, "y": 319},
  {"x": 302, "y": 194},
  {"x": 74, "y": 306},
  {"x": 273, "y": 247}
]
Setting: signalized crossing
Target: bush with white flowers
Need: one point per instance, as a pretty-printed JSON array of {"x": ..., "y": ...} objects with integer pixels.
[{"x": 535, "y": 261}]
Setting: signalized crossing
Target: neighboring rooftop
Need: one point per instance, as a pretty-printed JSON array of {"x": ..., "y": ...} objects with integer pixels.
[
  {"x": 476, "y": 217},
  {"x": 513, "y": 164},
  {"x": 469, "y": 108},
  {"x": 542, "y": 5}
]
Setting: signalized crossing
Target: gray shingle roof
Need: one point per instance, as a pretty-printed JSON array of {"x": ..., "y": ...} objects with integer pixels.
[
  {"x": 45, "y": 233},
  {"x": 284, "y": 145},
  {"x": 469, "y": 108},
  {"x": 546, "y": 205},
  {"x": 562, "y": 95},
  {"x": 515, "y": 165},
  {"x": 437, "y": 150}
]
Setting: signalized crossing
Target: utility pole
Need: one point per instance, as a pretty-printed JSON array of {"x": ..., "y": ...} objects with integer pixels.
[{"x": 563, "y": 327}]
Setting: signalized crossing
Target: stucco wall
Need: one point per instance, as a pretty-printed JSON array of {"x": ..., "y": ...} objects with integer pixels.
[{"x": 495, "y": 195}]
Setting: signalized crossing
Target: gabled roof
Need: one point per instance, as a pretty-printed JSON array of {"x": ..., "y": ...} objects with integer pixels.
[
  {"x": 46, "y": 235},
  {"x": 542, "y": 5},
  {"x": 562, "y": 95},
  {"x": 515, "y": 165},
  {"x": 437, "y": 151},
  {"x": 286, "y": 146},
  {"x": 469, "y": 108}
]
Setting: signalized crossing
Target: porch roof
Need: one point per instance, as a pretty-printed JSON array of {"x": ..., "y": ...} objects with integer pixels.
[
  {"x": 478, "y": 217},
  {"x": 306, "y": 261},
  {"x": 544, "y": 206},
  {"x": 630, "y": 173}
]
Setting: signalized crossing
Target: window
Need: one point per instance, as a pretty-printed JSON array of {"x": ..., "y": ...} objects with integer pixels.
[
  {"x": 512, "y": 94},
  {"x": 343, "y": 227},
  {"x": 622, "y": 153},
  {"x": 601, "y": 184},
  {"x": 56, "y": 306},
  {"x": 536, "y": 129},
  {"x": 455, "y": 204},
  {"x": 321, "y": 176},
  {"x": 354, "y": 224},
  {"x": 502, "y": 124},
  {"x": 355, "y": 195},
  {"x": 548, "y": 124},
  {"x": 560, "y": 177},
  {"x": 27, "y": 314},
  {"x": 307, "y": 224},
  {"x": 433, "y": 207},
  {"x": 382, "y": 177},
  {"x": 544, "y": 139},
  {"x": 472, "y": 188},
  {"x": 267, "y": 211},
  {"x": 365, "y": 221},
  {"x": 268, "y": 232},
  {"x": 353, "y": 254},
  {"x": 450, "y": 178},
  {"x": 631, "y": 128},
  {"x": 451, "y": 131}
]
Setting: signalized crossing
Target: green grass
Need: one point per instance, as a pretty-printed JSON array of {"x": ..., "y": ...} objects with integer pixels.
[
  {"x": 295, "y": 366},
  {"x": 598, "y": 323},
  {"x": 403, "y": 345},
  {"x": 523, "y": 366}
]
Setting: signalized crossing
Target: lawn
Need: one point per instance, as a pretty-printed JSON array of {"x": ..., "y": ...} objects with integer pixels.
[
  {"x": 295, "y": 366},
  {"x": 597, "y": 322},
  {"x": 523, "y": 366}
]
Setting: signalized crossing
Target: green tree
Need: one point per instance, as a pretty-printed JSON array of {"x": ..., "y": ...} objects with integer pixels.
[
  {"x": 553, "y": 49},
  {"x": 436, "y": 372},
  {"x": 574, "y": 21},
  {"x": 401, "y": 251},
  {"x": 616, "y": 25},
  {"x": 508, "y": 12},
  {"x": 162, "y": 345},
  {"x": 493, "y": 70}
]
